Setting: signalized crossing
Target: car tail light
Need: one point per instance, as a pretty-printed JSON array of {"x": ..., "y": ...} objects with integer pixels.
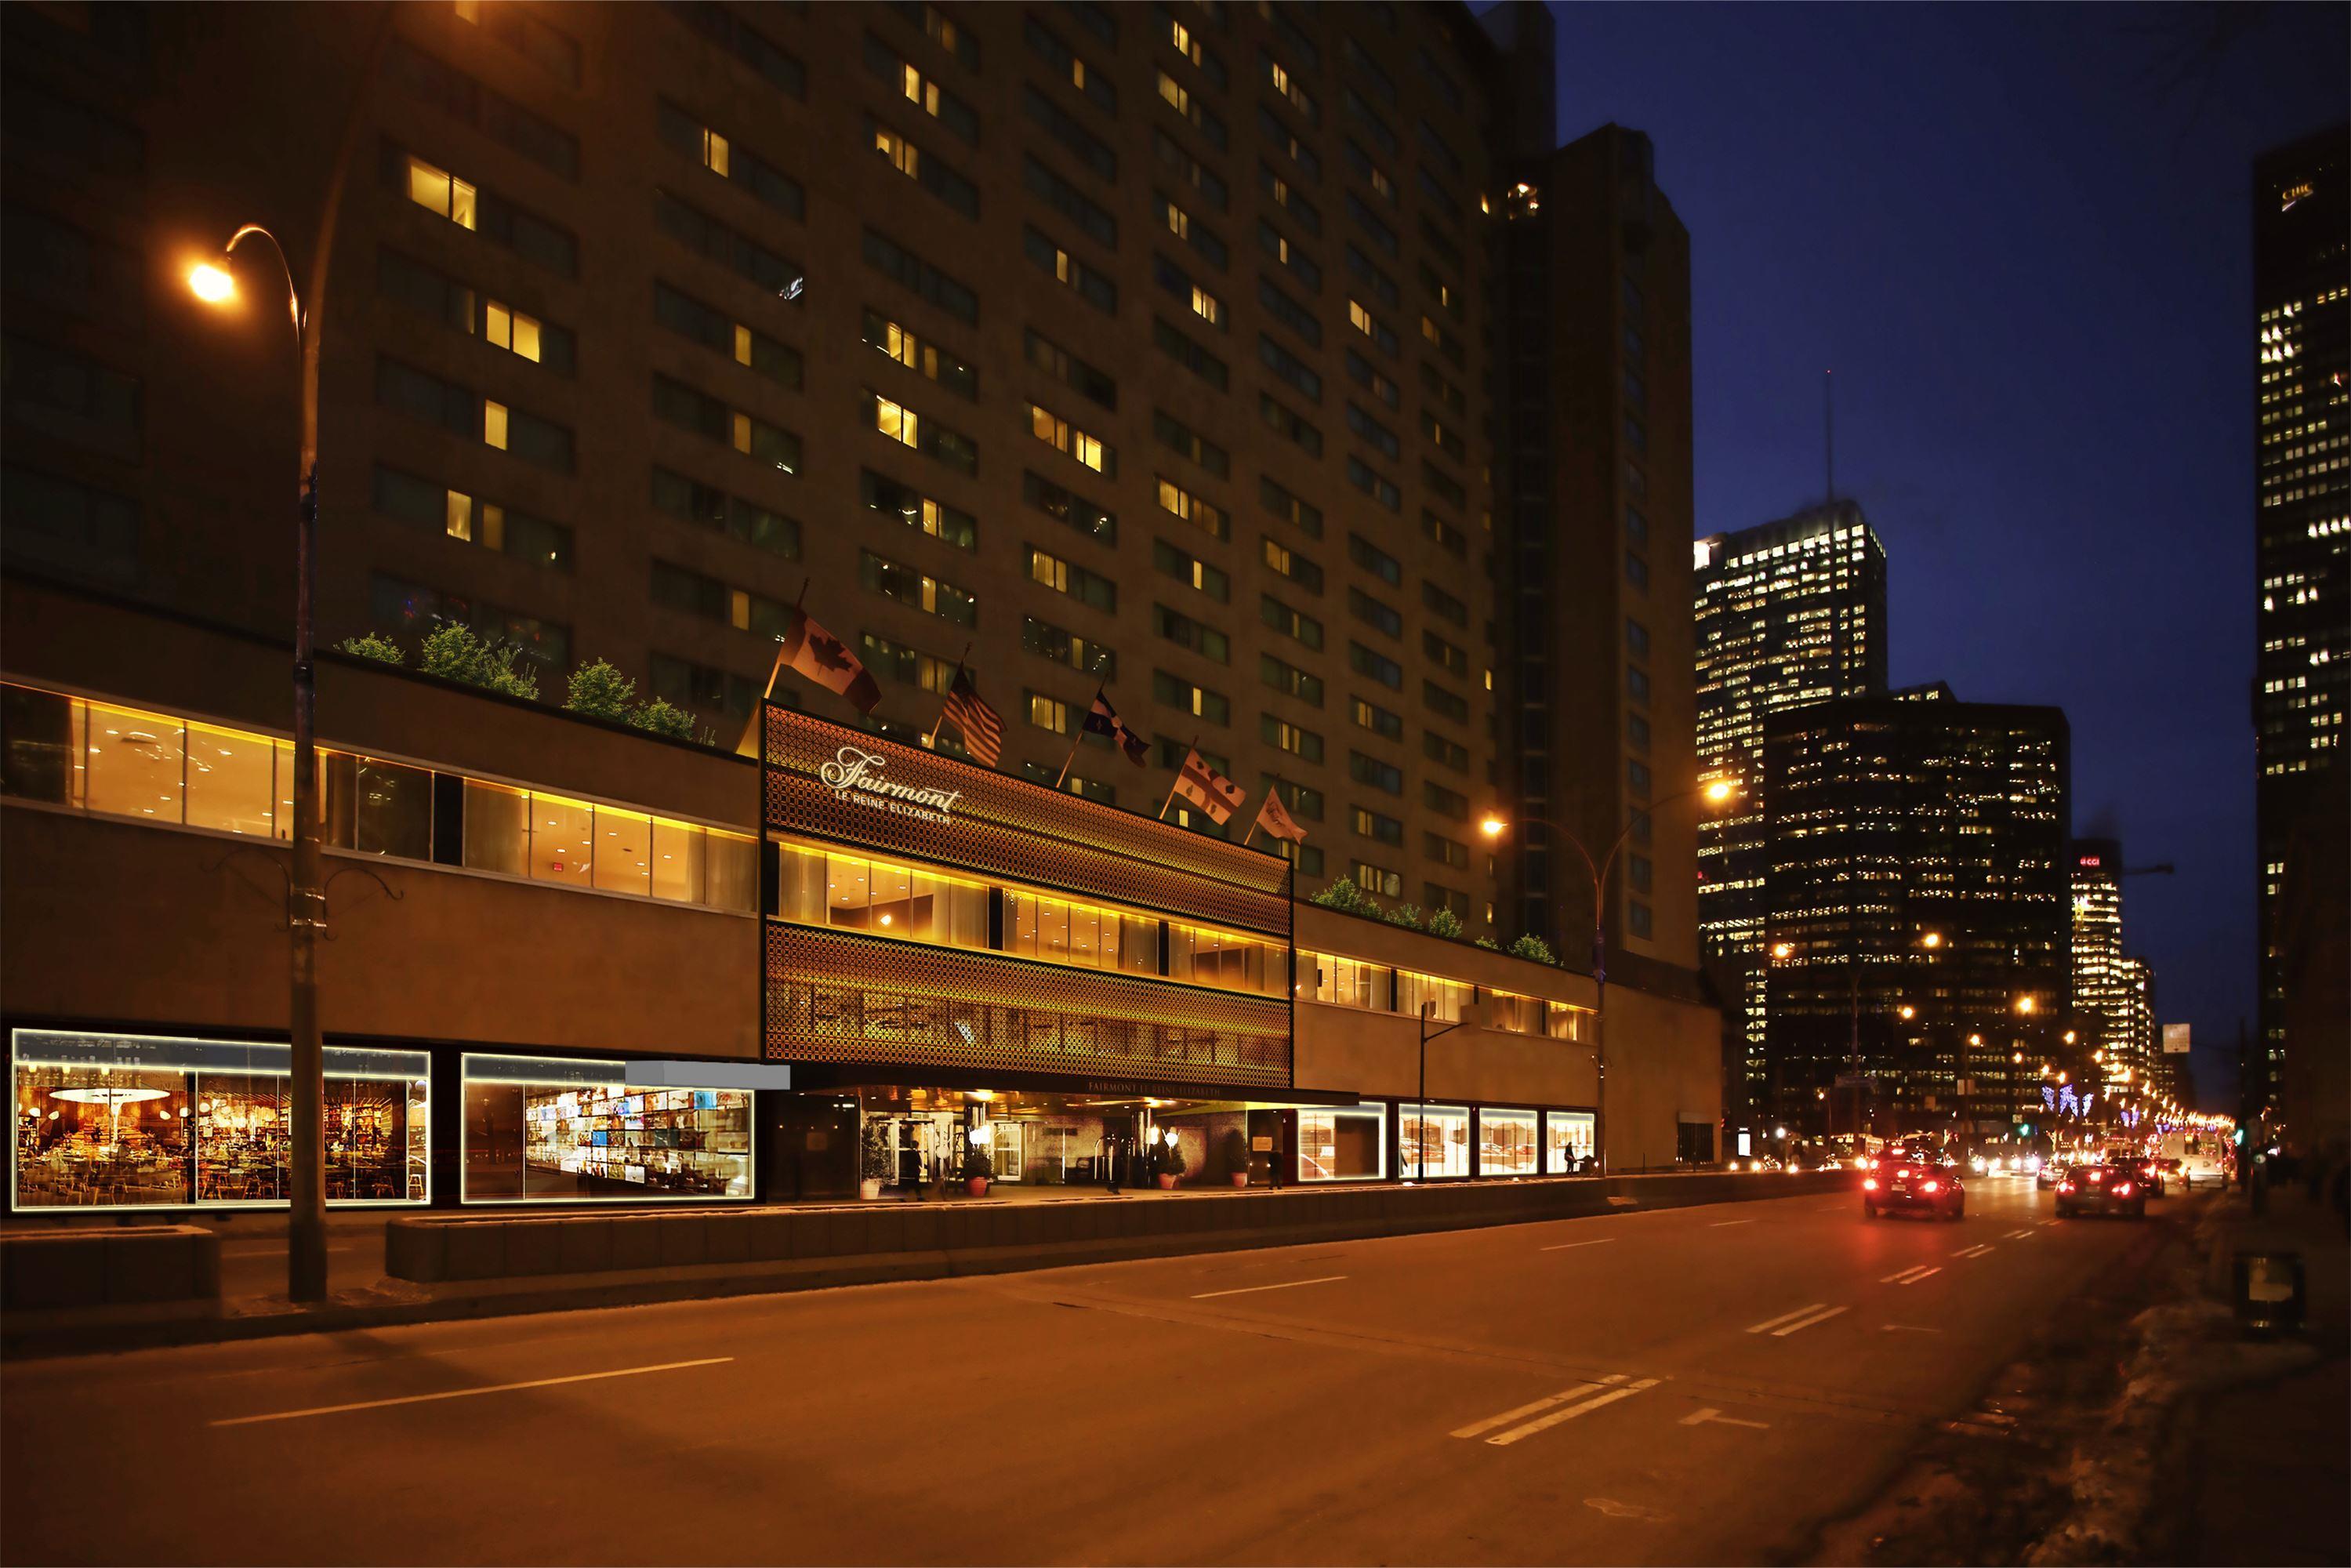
[
  {"x": 2122, "y": 1189},
  {"x": 2097, "y": 1175},
  {"x": 1870, "y": 1183},
  {"x": 2064, "y": 1187},
  {"x": 1934, "y": 1186}
]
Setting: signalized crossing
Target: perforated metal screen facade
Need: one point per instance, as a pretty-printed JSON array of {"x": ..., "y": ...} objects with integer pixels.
[
  {"x": 846, "y": 997},
  {"x": 837, "y": 996},
  {"x": 1011, "y": 827}
]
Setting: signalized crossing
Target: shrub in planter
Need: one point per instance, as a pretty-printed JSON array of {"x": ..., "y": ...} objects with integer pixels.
[
  {"x": 1534, "y": 947},
  {"x": 1170, "y": 1167},
  {"x": 978, "y": 1170},
  {"x": 872, "y": 1160},
  {"x": 1236, "y": 1155},
  {"x": 1446, "y": 923}
]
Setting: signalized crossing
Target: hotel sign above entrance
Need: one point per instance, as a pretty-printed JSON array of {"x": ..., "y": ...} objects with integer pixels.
[{"x": 856, "y": 774}]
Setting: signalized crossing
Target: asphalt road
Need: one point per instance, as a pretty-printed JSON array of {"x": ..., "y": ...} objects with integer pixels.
[{"x": 1700, "y": 1384}]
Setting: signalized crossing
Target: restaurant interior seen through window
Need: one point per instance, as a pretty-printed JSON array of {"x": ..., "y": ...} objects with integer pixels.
[{"x": 139, "y": 1122}]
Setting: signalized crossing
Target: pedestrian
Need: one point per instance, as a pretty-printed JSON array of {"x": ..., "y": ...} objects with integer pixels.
[
  {"x": 1110, "y": 1146},
  {"x": 1275, "y": 1152},
  {"x": 910, "y": 1168}
]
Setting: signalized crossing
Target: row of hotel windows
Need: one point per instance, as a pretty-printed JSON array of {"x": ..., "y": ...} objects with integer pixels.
[
  {"x": 909, "y": 902},
  {"x": 1378, "y": 988},
  {"x": 102, "y": 758}
]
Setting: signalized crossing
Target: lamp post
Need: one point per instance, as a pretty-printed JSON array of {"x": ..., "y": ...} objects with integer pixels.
[
  {"x": 1494, "y": 827},
  {"x": 1420, "y": 1109},
  {"x": 212, "y": 282}
]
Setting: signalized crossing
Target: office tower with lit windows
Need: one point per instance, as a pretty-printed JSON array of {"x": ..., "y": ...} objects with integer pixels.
[
  {"x": 2141, "y": 1074},
  {"x": 1915, "y": 911},
  {"x": 1785, "y": 614},
  {"x": 2101, "y": 973},
  {"x": 2302, "y": 687},
  {"x": 1140, "y": 345},
  {"x": 1595, "y": 389}
]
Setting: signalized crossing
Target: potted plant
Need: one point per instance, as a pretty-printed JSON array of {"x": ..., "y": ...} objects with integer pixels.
[
  {"x": 977, "y": 1170},
  {"x": 872, "y": 1160},
  {"x": 1236, "y": 1155},
  {"x": 1171, "y": 1166}
]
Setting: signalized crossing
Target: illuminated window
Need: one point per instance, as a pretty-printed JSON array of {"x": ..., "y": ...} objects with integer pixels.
[
  {"x": 438, "y": 191},
  {"x": 714, "y": 152},
  {"x": 493, "y": 425},
  {"x": 511, "y": 329},
  {"x": 897, "y": 422},
  {"x": 1063, "y": 436},
  {"x": 902, "y": 155},
  {"x": 1206, "y": 305}
]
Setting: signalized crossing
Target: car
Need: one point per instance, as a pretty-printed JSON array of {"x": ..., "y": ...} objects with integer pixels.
[
  {"x": 2151, "y": 1172},
  {"x": 2051, "y": 1171},
  {"x": 2114, "y": 1187},
  {"x": 1900, "y": 1186}
]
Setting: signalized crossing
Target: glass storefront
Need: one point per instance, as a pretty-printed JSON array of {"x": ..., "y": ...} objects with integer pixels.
[
  {"x": 145, "y": 1122},
  {"x": 1567, "y": 1142},
  {"x": 1506, "y": 1143},
  {"x": 552, "y": 1130},
  {"x": 1341, "y": 1144},
  {"x": 1432, "y": 1141}
]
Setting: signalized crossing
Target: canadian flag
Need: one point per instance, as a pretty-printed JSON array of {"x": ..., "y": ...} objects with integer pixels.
[{"x": 826, "y": 660}]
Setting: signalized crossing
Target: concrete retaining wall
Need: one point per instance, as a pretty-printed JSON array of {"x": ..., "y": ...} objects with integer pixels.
[{"x": 930, "y": 1241}]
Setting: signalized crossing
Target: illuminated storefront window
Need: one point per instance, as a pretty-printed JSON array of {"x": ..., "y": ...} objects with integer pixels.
[
  {"x": 1341, "y": 1144},
  {"x": 1348, "y": 982},
  {"x": 1448, "y": 997},
  {"x": 140, "y": 1122},
  {"x": 1567, "y": 1141},
  {"x": 1432, "y": 1141},
  {"x": 1506, "y": 1143},
  {"x": 544, "y": 1129}
]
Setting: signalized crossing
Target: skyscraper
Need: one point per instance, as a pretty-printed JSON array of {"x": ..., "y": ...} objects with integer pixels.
[
  {"x": 2302, "y": 394},
  {"x": 1915, "y": 903},
  {"x": 1787, "y": 614},
  {"x": 2102, "y": 975}
]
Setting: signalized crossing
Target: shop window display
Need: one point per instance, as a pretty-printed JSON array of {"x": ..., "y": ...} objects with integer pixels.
[
  {"x": 541, "y": 1130},
  {"x": 1342, "y": 1145},
  {"x": 1567, "y": 1142},
  {"x": 1432, "y": 1141},
  {"x": 1506, "y": 1143},
  {"x": 134, "y": 1121}
]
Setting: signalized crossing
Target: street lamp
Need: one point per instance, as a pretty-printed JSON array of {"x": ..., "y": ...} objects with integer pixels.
[
  {"x": 1493, "y": 825},
  {"x": 1420, "y": 1109}
]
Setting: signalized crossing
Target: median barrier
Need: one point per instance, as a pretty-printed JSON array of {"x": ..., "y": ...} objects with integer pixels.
[
  {"x": 136, "y": 1270},
  {"x": 770, "y": 1248}
]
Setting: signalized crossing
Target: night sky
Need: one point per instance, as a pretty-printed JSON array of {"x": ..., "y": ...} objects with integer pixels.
[{"x": 2021, "y": 238}]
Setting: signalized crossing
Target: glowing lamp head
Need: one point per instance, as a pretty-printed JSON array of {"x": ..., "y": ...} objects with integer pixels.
[
  {"x": 1493, "y": 827},
  {"x": 210, "y": 282},
  {"x": 2025, "y": 1004},
  {"x": 1909, "y": 1012},
  {"x": 1783, "y": 949},
  {"x": 1721, "y": 789},
  {"x": 1932, "y": 940}
]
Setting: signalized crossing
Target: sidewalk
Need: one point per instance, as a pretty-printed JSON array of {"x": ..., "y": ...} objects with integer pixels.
[{"x": 2271, "y": 1456}]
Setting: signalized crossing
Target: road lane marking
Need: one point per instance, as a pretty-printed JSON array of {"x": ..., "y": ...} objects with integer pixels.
[
  {"x": 1477, "y": 1428},
  {"x": 1906, "y": 1328},
  {"x": 1563, "y": 1246},
  {"x": 1545, "y": 1422},
  {"x": 1710, "y": 1414},
  {"x": 1768, "y": 1323},
  {"x": 1719, "y": 1224},
  {"x": 1285, "y": 1285},
  {"x": 2017, "y": 1235},
  {"x": 1977, "y": 1250},
  {"x": 1808, "y": 1322},
  {"x": 467, "y": 1393},
  {"x": 1910, "y": 1276}
]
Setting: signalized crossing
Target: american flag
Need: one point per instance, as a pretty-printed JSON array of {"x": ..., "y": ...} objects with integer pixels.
[{"x": 982, "y": 730}]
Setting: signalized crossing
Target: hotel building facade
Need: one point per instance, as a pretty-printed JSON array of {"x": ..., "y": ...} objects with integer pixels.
[{"x": 1139, "y": 348}]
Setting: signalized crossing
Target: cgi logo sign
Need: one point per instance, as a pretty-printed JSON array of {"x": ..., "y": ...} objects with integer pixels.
[{"x": 856, "y": 774}]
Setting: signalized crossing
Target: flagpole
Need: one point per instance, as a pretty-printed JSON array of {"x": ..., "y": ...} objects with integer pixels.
[
  {"x": 777, "y": 668},
  {"x": 933, "y": 738},
  {"x": 1188, "y": 755},
  {"x": 1075, "y": 740}
]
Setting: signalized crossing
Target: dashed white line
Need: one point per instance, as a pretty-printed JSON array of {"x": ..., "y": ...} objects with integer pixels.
[
  {"x": 1285, "y": 1285},
  {"x": 1476, "y": 1429},
  {"x": 1910, "y": 1276},
  {"x": 1563, "y": 1246},
  {"x": 1719, "y": 1224},
  {"x": 2018, "y": 1235},
  {"x": 1808, "y": 1322},
  {"x": 1544, "y": 1423},
  {"x": 1977, "y": 1250},
  {"x": 1769, "y": 1324},
  {"x": 467, "y": 1393}
]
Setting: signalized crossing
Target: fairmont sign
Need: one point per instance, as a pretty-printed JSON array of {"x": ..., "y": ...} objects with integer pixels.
[{"x": 855, "y": 774}]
